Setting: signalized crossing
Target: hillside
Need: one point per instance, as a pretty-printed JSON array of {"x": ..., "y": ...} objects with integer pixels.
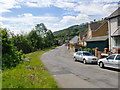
[{"x": 70, "y": 32}]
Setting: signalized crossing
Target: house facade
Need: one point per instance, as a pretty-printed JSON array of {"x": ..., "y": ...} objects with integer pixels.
[
  {"x": 74, "y": 44},
  {"x": 114, "y": 31},
  {"x": 97, "y": 35},
  {"x": 100, "y": 42},
  {"x": 96, "y": 30}
]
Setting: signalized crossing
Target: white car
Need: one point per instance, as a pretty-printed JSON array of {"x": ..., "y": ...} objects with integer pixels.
[
  {"x": 112, "y": 61},
  {"x": 84, "y": 56}
]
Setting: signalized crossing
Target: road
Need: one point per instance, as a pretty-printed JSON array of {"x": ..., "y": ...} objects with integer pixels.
[{"x": 70, "y": 74}]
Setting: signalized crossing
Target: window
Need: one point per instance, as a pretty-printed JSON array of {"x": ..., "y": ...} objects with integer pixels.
[
  {"x": 78, "y": 53},
  {"x": 118, "y": 57},
  {"x": 111, "y": 57},
  {"x": 87, "y": 54},
  {"x": 117, "y": 41},
  {"x": 118, "y": 21}
]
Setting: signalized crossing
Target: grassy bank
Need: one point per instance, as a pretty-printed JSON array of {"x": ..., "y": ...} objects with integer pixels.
[{"x": 35, "y": 77}]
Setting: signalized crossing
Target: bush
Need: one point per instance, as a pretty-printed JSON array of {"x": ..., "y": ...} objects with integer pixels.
[{"x": 11, "y": 57}]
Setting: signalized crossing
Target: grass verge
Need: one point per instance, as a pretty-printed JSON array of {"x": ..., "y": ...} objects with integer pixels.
[{"x": 22, "y": 77}]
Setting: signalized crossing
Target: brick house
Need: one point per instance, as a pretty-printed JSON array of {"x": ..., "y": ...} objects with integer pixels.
[{"x": 96, "y": 35}]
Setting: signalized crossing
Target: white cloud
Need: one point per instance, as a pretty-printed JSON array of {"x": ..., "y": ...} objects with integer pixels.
[
  {"x": 26, "y": 21},
  {"x": 6, "y": 5},
  {"x": 97, "y": 7}
]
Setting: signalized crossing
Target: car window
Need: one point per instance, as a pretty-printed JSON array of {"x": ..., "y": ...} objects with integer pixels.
[
  {"x": 78, "y": 53},
  {"x": 118, "y": 57},
  {"x": 111, "y": 57},
  {"x": 87, "y": 54}
]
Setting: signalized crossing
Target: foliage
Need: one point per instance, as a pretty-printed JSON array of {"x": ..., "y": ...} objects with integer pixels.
[
  {"x": 15, "y": 45},
  {"x": 35, "y": 40},
  {"x": 21, "y": 77},
  {"x": 70, "y": 32},
  {"x": 84, "y": 48},
  {"x": 10, "y": 56},
  {"x": 38, "y": 39},
  {"x": 22, "y": 43}
]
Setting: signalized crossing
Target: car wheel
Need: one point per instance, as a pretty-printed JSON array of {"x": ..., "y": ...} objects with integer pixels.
[
  {"x": 74, "y": 59},
  {"x": 84, "y": 61},
  {"x": 101, "y": 65}
]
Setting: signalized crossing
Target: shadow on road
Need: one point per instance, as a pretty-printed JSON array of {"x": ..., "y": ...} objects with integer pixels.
[
  {"x": 107, "y": 68},
  {"x": 87, "y": 63},
  {"x": 113, "y": 69}
]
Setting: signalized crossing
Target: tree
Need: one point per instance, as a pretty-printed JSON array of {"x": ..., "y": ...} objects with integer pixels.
[
  {"x": 49, "y": 39},
  {"x": 41, "y": 28},
  {"x": 22, "y": 43},
  {"x": 36, "y": 40},
  {"x": 10, "y": 56}
]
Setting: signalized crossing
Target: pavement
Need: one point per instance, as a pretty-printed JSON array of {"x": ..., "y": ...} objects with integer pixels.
[{"x": 71, "y": 74}]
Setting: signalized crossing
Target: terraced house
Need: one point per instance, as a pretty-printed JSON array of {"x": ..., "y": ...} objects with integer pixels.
[
  {"x": 97, "y": 35},
  {"x": 114, "y": 31}
]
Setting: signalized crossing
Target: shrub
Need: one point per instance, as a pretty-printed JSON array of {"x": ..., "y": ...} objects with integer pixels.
[{"x": 10, "y": 56}]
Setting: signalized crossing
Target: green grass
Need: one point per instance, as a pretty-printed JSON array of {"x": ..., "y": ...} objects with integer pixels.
[{"x": 21, "y": 77}]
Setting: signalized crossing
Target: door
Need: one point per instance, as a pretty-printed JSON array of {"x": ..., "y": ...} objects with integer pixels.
[
  {"x": 78, "y": 55},
  {"x": 109, "y": 61},
  {"x": 117, "y": 62}
]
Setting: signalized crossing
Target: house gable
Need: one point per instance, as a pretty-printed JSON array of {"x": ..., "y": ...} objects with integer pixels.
[{"x": 101, "y": 31}]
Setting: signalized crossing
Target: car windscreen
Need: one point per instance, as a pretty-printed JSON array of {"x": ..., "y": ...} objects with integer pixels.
[{"x": 87, "y": 54}]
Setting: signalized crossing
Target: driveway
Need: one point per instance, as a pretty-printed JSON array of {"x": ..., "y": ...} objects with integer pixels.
[{"x": 70, "y": 74}]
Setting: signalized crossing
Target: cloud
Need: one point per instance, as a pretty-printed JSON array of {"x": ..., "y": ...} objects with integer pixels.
[
  {"x": 76, "y": 12},
  {"x": 6, "y": 5},
  {"x": 25, "y": 21},
  {"x": 102, "y": 8}
]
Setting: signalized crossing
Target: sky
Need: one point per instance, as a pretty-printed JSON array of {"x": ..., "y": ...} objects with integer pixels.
[{"x": 22, "y": 15}]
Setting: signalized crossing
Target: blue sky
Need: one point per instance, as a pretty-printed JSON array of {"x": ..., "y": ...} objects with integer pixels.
[{"x": 22, "y": 15}]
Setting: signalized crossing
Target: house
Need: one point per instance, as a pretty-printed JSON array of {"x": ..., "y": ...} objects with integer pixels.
[
  {"x": 97, "y": 29},
  {"x": 96, "y": 35},
  {"x": 101, "y": 42},
  {"x": 81, "y": 39},
  {"x": 74, "y": 43},
  {"x": 114, "y": 31}
]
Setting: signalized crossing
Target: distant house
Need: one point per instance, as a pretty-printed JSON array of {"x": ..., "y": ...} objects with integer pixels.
[
  {"x": 81, "y": 38},
  {"x": 74, "y": 43},
  {"x": 114, "y": 30}
]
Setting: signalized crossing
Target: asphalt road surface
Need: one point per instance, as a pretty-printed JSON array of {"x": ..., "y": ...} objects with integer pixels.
[{"x": 70, "y": 74}]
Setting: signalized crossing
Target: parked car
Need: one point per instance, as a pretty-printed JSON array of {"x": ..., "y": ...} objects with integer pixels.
[
  {"x": 112, "y": 61},
  {"x": 85, "y": 57}
]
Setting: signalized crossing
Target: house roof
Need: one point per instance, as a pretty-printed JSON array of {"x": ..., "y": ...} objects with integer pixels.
[
  {"x": 81, "y": 35},
  {"x": 74, "y": 40},
  {"x": 94, "y": 26},
  {"x": 117, "y": 32},
  {"x": 115, "y": 13},
  {"x": 101, "y": 38}
]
